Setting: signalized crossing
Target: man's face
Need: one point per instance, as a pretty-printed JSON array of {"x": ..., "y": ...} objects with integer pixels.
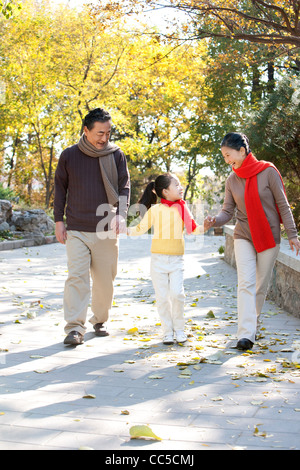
[{"x": 99, "y": 135}]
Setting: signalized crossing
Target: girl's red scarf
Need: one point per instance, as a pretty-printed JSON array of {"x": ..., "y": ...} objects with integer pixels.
[
  {"x": 260, "y": 229},
  {"x": 185, "y": 214}
]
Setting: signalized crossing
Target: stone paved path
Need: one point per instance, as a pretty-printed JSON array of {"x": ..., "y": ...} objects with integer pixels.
[{"x": 203, "y": 395}]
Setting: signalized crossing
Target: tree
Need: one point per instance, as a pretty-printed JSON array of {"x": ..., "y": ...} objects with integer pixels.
[
  {"x": 259, "y": 21},
  {"x": 274, "y": 133},
  {"x": 9, "y": 8},
  {"x": 160, "y": 91},
  {"x": 54, "y": 75},
  {"x": 250, "y": 43},
  {"x": 34, "y": 104}
]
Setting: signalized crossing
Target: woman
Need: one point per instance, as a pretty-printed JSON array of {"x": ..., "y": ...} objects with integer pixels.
[{"x": 256, "y": 190}]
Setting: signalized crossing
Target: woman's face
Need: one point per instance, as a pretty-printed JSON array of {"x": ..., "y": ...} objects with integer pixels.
[{"x": 234, "y": 158}]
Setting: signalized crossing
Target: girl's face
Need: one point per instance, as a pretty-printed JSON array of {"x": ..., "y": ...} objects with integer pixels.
[
  {"x": 174, "y": 191},
  {"x": 234, "y": 158}
]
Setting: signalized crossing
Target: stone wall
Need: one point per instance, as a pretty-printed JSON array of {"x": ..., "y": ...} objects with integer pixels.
[
  {"x": 5, "y": 214},
  {"x": 284, "y": 288},
  {"x": 26, "y": 227}
]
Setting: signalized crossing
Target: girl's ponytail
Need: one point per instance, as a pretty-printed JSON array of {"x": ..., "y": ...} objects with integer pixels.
[
  {"x": 155, "y": 190},
  {"x": 149, "y": 197}
]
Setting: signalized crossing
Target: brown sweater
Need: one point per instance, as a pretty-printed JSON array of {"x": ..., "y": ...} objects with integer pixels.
[
  {"x": 79, "y": 188},
  {"x": 271, "y": 191}
]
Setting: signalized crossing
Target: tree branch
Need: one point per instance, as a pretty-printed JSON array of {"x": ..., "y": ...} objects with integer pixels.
[
  {"x": 276, "y": 8},
  {"x": 286, "y": 33}
]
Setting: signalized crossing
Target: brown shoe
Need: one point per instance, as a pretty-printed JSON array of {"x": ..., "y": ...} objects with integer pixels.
[
  {"x": 100, "y": 330},
  {"x": 74, "y": 338}
]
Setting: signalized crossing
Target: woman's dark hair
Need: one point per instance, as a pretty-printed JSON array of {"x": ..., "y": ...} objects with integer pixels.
[
  {"x": 235, "y": 140},
  {"x": 149, "y": 197},
  {"x": 96, "y": 115}
]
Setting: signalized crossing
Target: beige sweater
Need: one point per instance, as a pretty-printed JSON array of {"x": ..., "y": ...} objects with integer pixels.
[{"x": 271, "y": 191}]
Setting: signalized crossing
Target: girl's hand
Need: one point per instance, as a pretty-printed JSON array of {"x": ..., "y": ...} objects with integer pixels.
[{"x": 295, "y": 243}]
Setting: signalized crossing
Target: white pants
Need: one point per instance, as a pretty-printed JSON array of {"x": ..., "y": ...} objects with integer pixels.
[
  {"x": 254, "y": 273},
  {"x": 167, "y": 278}
]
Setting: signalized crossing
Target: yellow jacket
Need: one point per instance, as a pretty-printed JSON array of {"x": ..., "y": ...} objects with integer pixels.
[{"x": 168, "y": 229}]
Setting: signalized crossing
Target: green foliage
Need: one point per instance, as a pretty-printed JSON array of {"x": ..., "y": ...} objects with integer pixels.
[
  {"x": 274, "y": 132},
  {"x": 6, "y": 193},
  {"x": 5, "y": 235},
  {"x": 221, "y": 250}
]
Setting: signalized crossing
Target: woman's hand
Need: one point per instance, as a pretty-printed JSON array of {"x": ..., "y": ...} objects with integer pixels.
[
  {"x": 208, "y": 222},
  {"x": 295, "y": 243}
]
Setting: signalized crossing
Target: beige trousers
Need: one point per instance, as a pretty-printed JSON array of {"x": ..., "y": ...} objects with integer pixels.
[
  {"x": 89, "y": 256},
  {"x": 254, "y": 274}
]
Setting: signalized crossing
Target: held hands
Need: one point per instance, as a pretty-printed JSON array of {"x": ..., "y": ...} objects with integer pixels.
[
  {"x": 118, "y": 225},
  {"x": 295, "y": 243},
  {"x": 209, "y": 222}
]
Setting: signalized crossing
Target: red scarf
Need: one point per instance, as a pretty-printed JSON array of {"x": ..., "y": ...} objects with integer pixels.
[
  {"x": 185, "y": 214},
  {"x": 260, "y": 229}
]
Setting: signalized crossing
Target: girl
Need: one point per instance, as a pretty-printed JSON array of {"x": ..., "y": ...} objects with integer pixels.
[
  {"x": 168, "y": 219},
  {"x": 256, "y": 190}
]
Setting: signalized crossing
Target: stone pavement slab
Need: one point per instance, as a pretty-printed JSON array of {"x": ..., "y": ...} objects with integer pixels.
[{"x": 201, "y": 395}]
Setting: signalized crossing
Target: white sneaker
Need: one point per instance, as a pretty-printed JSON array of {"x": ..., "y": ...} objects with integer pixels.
[
  {"x": 180, "y": 336},
  {"x": 168, "y": 338}
]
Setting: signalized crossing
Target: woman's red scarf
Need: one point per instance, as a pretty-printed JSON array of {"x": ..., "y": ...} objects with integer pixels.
[
  {"x": 185, "y": 214},
  {"x": 260, "y": 229}
]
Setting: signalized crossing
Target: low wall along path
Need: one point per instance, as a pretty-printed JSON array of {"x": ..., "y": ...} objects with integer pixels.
[{"x": 284, "y": 286}]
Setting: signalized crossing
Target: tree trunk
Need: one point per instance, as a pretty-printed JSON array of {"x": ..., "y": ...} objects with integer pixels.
[
  {"x": 271, "y": 78},
  {"x": 256, "y": 92}
]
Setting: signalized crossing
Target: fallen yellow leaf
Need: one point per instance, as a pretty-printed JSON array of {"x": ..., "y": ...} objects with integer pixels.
[
  {"x": 143, "y": 431},
  {"x": 132, "y": 331}
]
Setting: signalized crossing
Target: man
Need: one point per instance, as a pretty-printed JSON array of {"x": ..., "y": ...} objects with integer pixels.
[{"x": 90, "y": 181}]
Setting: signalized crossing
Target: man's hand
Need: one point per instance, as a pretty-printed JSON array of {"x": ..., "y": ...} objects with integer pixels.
[
  {"x": 118, "y": 224},
  {"x": 60, "y": 232}
]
